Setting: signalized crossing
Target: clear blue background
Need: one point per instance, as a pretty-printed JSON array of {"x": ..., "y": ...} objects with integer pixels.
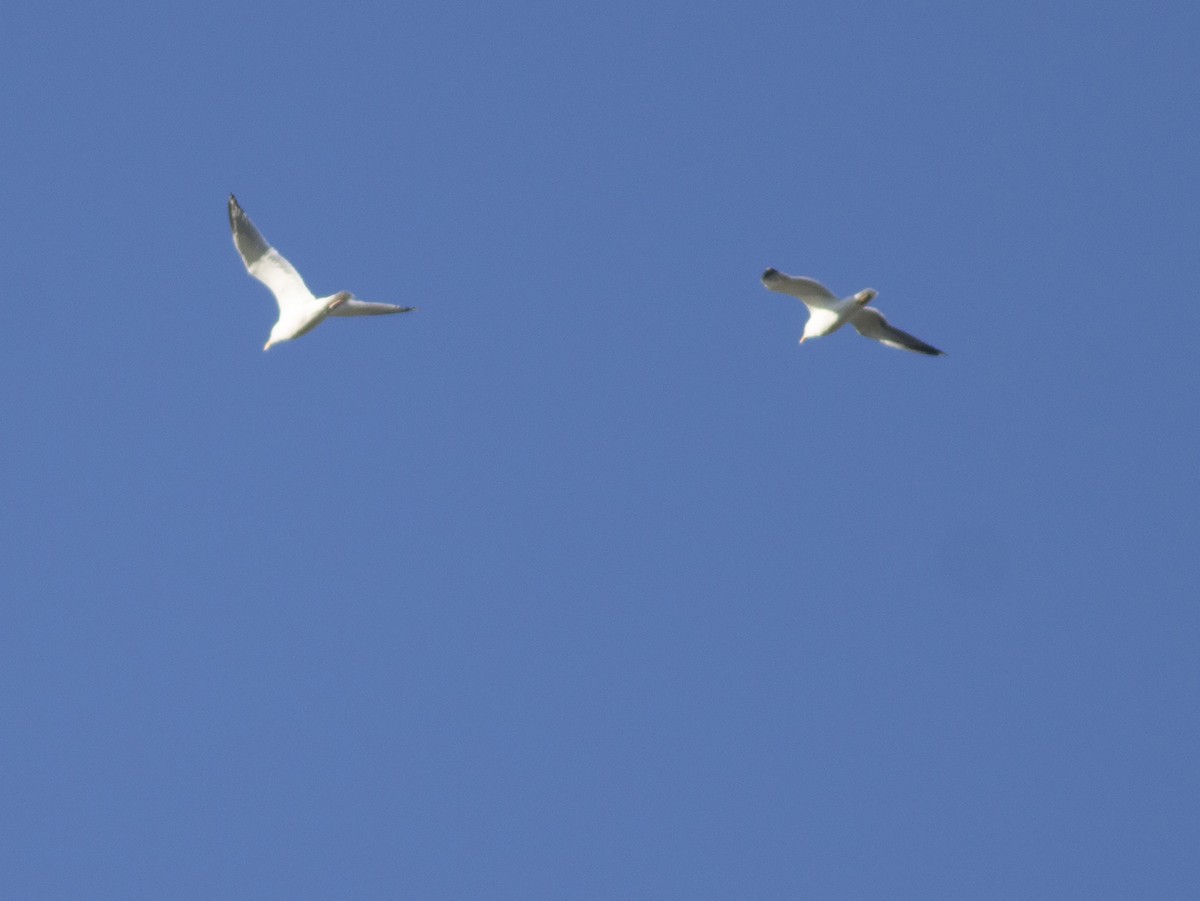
[{"x": 586, "y": 580}]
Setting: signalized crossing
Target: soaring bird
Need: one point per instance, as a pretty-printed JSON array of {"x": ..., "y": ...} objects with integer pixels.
[
  {"x": 299, "y": 310},
  {"x": 827, "y": 314}
]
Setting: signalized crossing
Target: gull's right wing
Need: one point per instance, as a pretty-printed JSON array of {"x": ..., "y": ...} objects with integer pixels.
[{"x": 264, "y": 262}]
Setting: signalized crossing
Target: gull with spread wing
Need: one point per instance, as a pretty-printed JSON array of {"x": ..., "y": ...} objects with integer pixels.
[
  {"x": 827, "y": 314},
  {"x": 300, "y": 311}
]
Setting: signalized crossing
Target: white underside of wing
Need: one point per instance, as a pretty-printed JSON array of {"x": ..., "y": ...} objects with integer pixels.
[
  {"x": 285, "y": 282},
  {"x": 811, "y": 291},
  {"x": 268, "y": 265}
]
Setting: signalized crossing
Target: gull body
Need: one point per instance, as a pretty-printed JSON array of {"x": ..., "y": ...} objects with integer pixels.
[
  {"x": 827, "y": 313},
  {"x": 300, "y": 311}
]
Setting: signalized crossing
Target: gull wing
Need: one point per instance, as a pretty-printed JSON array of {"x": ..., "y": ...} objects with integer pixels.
[
  {"x": 266, "y": 263},
  {"x": 870, "y": 324},
  {"x": 367, "y": 308},
  {"x": 809, "y": 290}
]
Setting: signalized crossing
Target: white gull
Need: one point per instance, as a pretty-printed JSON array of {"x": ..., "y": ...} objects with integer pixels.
[
  {"x": 300, "y": 311},
  {"x": 827, "y": 314}
]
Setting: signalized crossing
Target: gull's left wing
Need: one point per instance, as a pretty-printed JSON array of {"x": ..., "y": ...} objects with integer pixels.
[
  {"x": 871, "y": 324},
  {"x": 367, "y": 308}
]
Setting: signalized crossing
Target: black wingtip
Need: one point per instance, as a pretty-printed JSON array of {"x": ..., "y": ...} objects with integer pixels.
[{"x": 235, "y": 211}]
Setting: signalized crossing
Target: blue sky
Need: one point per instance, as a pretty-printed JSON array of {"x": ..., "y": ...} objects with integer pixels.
[{"x": 586, "y": 580}]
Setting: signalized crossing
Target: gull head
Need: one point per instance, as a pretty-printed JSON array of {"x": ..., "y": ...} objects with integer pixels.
[
  {"x": 810, "y": 331},
  {"x": 770, "y": 275},
  {"x": 277, "y": 336}
]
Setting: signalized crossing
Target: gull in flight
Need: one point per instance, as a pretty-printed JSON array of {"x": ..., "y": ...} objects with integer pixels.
[
  {"x": 299, "y": 310},
  {"x": 827, "y": 314}
]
